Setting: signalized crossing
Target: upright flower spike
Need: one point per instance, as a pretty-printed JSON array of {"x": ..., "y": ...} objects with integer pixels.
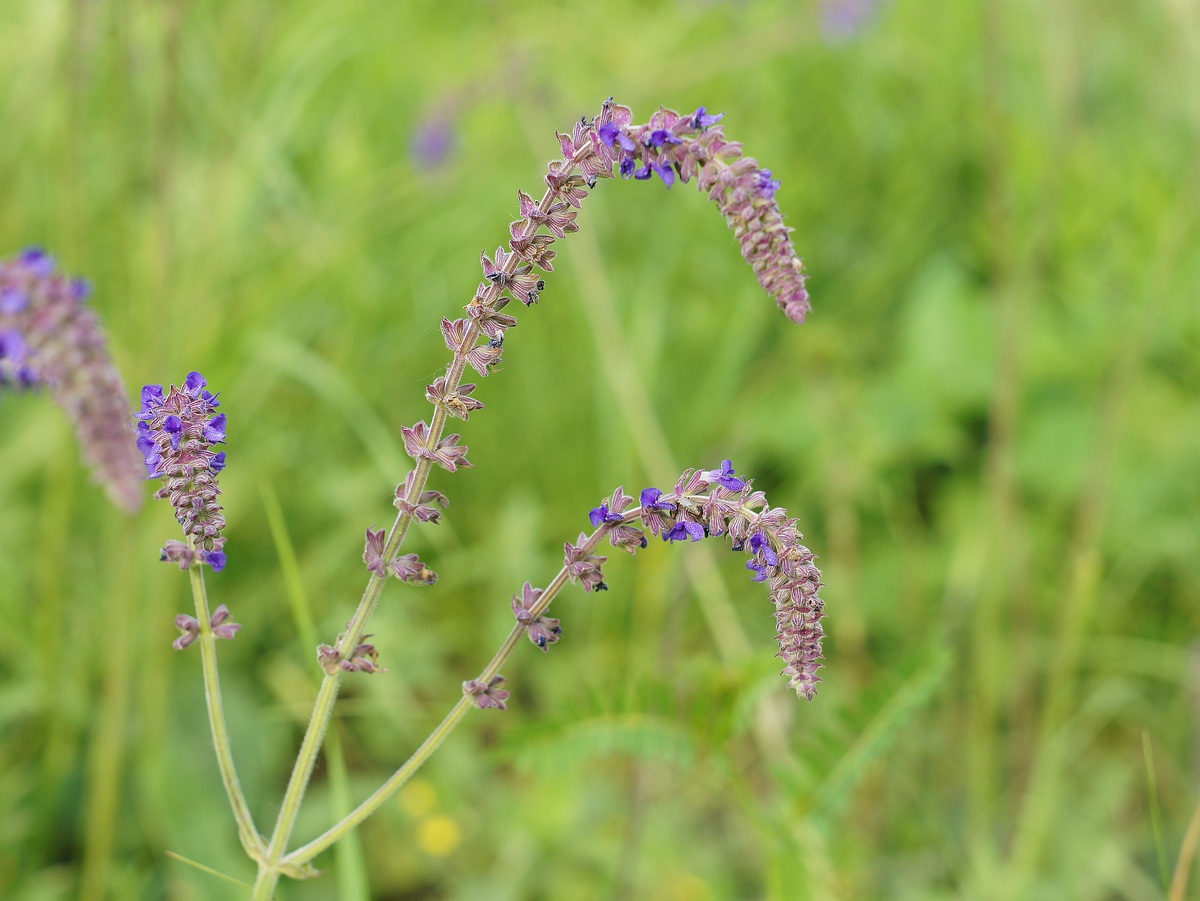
[
  {"x": 177, "y": 432},
  {"x": 49, "y": 336}
]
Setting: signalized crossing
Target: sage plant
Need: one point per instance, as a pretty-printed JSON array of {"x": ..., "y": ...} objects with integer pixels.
[{"x": 181, "y": 436}]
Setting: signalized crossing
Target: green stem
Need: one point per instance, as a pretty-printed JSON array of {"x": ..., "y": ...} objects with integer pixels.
[
  {"x": 251, "y": 840},
  {"x": 310, "y": 747},
  {"x": 272, "y": 863},
  {"x": 305, "y": 853}
]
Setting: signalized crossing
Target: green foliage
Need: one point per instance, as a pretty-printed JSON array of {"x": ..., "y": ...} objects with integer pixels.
[{"x": 988, "y": 430}]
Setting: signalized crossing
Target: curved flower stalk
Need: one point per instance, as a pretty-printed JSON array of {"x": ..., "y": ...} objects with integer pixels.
[
  {"x": 672, "y": 146},
  {"x": 177, "y": 432},
  {"x": 49, "y": 336},
  {"x": 703, "y": 504},
  {"x": 717, "y": 503}
]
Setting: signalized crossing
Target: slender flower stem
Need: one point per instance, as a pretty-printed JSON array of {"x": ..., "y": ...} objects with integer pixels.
[
  {"x": 326, "y": 697},
  {"x": 250, "y": 838},
  {"x": 305, "y": 853},
  {"x": 327, "y": 694}
]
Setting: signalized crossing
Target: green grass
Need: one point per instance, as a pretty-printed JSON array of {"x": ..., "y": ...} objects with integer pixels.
[{"x": 989, "y": 431}]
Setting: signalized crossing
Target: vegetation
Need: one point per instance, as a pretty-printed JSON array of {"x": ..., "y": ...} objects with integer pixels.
[{"x": 988, "y": 430}]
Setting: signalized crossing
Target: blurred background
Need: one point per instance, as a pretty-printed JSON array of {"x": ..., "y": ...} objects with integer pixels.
[{"x": 988, "y": 430}]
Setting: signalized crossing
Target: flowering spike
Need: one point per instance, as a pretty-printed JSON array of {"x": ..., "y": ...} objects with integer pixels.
[
  {"x": 176, "y": 436},
  {"x": 48, "y": 336},
  {"x": 711, "y": 503}
]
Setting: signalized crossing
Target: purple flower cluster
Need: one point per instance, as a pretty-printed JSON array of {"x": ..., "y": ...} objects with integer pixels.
[
  {"x": 49, "y": 336},
  {"x": 176, "y": 435},
  {"x": 673, "y": 147},
  {"x": 717, "y": 502},
  {"x": 843, "y": 20}
]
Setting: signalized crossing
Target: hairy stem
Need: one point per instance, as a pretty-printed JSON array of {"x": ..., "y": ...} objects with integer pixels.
[{"x": 251, "y": 840}]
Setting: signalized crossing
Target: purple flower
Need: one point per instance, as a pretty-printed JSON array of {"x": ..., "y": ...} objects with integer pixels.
[
  {"x": 602, "y": 514},
  {"x": 611, "y": 513},
  {"x": 684, "y": 531},
  {"x": 38, "y": 262},
  {"x": 152, "y": 396},
  {"x": 766, "y": 185},
  {"x": 842, "y": 20},
  {"x": 173, "y": 426},
  {"x": 214, "y": 432},
  {"x": 610, "y": 134},
  {"x": 215, "y": 559},
  {"x": 660, "y": 137},
  {"x": 724, "y": 476},
  {"x": 13, "y": 300},
  {"x": 652, "y": 500},
  {"x": 701, "y": 120},
  {"x": 657, "y": 514},
  {"x": 433, "y": 141},
  {"x": 12, "y": 346}
]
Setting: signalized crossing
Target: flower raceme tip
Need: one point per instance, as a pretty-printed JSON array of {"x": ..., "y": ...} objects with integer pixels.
[
  {"x": 176, "y": 434},
  {"x": 708, "y": 504}
]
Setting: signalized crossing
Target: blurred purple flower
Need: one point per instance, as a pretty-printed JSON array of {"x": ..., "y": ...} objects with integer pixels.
[
  {"x": 434, "y": 141},
  {"x": 48, "y": 336},
  {"x": 844, "y": 20}
]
